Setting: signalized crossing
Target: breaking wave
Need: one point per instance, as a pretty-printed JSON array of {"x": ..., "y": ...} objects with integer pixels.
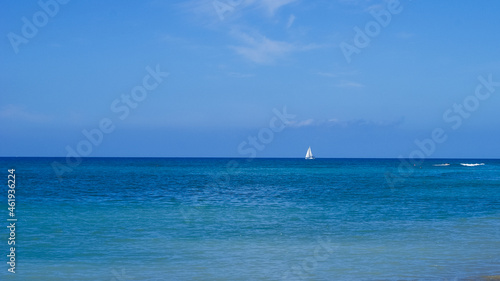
[{"x": 471, "y": 165}]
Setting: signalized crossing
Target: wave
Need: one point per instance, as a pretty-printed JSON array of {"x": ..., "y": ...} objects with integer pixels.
[
  {"x": 442, "y": 165},
  {"x": 472, "y": 165}
]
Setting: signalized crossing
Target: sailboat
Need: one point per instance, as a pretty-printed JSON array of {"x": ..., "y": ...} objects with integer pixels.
[{"x": 309, "y": 154}]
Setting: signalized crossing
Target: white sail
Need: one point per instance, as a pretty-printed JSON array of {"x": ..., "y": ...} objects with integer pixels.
[{"x": 309, "y": 154}]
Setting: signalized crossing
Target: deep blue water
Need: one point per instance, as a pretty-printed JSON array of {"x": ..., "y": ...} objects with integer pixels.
[{"x": 268, "y": 219}]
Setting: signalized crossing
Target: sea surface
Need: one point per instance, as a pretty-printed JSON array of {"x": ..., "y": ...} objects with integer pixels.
[{"x": 118, "y": 219}]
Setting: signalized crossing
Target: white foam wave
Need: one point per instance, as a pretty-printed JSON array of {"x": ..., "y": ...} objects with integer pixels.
[
  {"x": 471, "y": 165},
  {"x": 442, "y": 165}
]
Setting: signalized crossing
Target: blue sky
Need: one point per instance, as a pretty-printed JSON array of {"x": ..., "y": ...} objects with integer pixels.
[{"x": 230, "y": 63}]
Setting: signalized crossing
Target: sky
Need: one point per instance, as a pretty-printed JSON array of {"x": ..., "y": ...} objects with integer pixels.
[{"x": 250, "y": 78}]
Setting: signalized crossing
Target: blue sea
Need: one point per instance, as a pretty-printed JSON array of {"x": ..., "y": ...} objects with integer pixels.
[{"x": 117, "y": 219}]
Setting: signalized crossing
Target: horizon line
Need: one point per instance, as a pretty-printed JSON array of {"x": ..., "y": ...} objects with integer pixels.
[{"x": 224, "y": 157}]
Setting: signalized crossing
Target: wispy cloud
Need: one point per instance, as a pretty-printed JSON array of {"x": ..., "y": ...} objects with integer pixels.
[
  {"x": 303, "y": 123},
  {"x": 335, "y": 74},
  {"x": 375, "y": 7},
  {"x": 342, "y": 78},
  {"x": 336, "y": 122},
  {"x": 248, "y": 41},
  {"x": 273, "y": 5},
  {"x": 19, "y": 113},
  {"x": 233, "y": 9},
  {"x": 163, "y": 37},
  {"x": 364, "y": 5},
  {"x": 262, "y": 50},
  {"x": 405, "y": 35},
  {"x": 349, "y": 84},
  {"x": 328, "y": 74},
  {"x": 290, "y": 22},
  {"x": 240, "y": 75},
  {"x": 315, "y": 123}
]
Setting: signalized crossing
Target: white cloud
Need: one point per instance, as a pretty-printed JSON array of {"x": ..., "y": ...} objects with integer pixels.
[
  {"x": 222, "y": 9},
  {"x": 313, "y": 122},
  {"x": 17, "y": 113},
  {"x": 261, "y": 49},
  {"x": 364, "y": 6},
  {"x": 304, "y": 123}
]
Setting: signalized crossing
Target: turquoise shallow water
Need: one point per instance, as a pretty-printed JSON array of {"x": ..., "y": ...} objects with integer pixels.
[{"x": 268, "y": 219}]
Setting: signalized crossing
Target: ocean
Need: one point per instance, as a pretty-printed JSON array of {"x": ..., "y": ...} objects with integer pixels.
[{"x": 118, "y": 219}]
